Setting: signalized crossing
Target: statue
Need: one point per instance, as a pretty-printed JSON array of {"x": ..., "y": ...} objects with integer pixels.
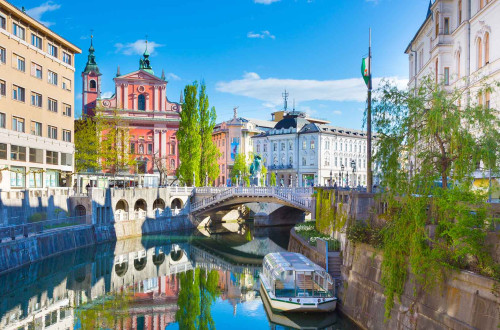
[{"x": 255, "y": 170}]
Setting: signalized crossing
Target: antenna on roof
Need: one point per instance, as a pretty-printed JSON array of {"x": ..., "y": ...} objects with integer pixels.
[
  {"x": 285, "y": 98},
  {"x": 235, "y": 110}
]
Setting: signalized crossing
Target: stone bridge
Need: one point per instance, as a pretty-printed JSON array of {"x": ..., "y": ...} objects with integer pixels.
[{"x": 215, "y": 199}]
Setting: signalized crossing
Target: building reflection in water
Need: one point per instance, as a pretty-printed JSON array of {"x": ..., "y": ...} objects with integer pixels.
[{"x": 129, "y": 284}]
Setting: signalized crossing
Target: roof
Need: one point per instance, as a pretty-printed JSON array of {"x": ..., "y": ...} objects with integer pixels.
[
  {"x": 17, "y": 12},
  {"x": 429, "y": 15},
  {"x": 292, "y": 120},
  {"x": 262, "y": 123},
  {"x": 290, "y": 261}
]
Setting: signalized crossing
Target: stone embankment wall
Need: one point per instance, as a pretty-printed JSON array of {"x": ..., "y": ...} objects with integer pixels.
[
  {"x": 23, "y": 251},
  {"x": 464, "y": 301}
]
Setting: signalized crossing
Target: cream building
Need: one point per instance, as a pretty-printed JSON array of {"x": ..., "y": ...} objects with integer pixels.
[
  {"x": 459, "y": 44},
  {"x": 36, "y": 102}
]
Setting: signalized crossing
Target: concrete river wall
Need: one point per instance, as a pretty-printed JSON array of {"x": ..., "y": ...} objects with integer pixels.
[
  {"x": 464, "y": 301},
  {"x": 25, "y": 250}
]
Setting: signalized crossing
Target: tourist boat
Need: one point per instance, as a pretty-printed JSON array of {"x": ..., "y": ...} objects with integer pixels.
[{"x": 292, "y": 283}]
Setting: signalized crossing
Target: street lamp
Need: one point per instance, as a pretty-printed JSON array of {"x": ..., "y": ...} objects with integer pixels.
[
  {"x": 341, "y": 175},
  {"x": 353, "y": 166}
]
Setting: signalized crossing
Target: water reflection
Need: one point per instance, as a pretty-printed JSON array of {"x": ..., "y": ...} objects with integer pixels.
[{"x": 187, "y": 281}]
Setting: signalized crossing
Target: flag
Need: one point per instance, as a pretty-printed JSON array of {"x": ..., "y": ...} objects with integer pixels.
[{"x": 365, "y": 70}]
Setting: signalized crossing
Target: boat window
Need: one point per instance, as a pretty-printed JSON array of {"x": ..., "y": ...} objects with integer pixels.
[{"x": 284, "y": 285}]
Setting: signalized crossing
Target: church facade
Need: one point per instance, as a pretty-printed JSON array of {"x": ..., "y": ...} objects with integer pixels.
[{"x": 140, "y": 100}]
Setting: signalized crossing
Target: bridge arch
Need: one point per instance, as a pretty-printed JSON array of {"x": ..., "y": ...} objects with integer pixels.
[
  {"x": 140, "y": 204},
  {"x": 80, "y": 210},
  {"x": 176, "y": 204},
  {"x": 121, "y": 205},
  {"x": 140, "y": 263},
  {"x": 121, "y": 268},
  {"x": 159, "y": 203}
]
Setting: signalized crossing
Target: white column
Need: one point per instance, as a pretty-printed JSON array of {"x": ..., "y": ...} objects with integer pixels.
[
  {"x": 156, "y": 147},
  {"x": 164, "y": 147}
]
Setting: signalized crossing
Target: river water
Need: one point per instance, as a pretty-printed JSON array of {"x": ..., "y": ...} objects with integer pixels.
[{"x": 194, "y": 280}]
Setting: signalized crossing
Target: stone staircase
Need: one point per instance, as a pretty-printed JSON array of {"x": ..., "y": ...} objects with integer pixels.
[{"x": 334, "y": 263}]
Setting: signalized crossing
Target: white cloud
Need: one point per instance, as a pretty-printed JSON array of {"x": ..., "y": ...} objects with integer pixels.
[
  {"x": 37, "y": 12},
  {"x": 172, "y": 76},
  {"x": 337, "y": 112},
  {"x": 137, "y": 47},
  {"x": 261, "y": 35},
  {"x": 265, "y": 2},
  {"x": 269, "y": 89},
  {"x": 106, "y": 95}
]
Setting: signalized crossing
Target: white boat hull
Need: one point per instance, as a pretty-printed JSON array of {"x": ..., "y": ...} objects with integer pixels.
[{"x": 299, "y": 304}]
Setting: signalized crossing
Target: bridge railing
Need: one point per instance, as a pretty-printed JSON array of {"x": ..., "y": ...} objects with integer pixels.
[{"x": 293, "y": 195}]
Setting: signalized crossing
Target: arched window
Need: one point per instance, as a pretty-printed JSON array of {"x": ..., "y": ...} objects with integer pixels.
[
  {"x": 481, "y": 4},
  {"x": 479, "y": 53},
  {"x": 437, "y": 70},
  {"x": 437, "y": 23},
  {"x": 290, "y": 160},
  {"x": 458, "y": 65},
  {"x": 93, "y": 84},
  {"x": 459, "y": 12},
  {"x": 486, "y": 48},
  {"x": 487, "y": 99},
  {"x": 141, "y": 102}
]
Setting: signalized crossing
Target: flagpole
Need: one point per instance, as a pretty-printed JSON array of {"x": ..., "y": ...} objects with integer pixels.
[{"x": 369, "y": 178}]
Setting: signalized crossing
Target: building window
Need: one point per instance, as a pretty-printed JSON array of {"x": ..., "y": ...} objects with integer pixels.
[
  {"x": 36, "y": 70},
  {"x": 3, "y": 55},
  {"x": 487, "y": 99},
  {"x": 265, "y": 147},
  {"x": 436, "y": 19},
  {"x": 3, "y": 22},
  {"x": 66, "y": 58},
  {"x": 19, "y": 63},
  {"x": 66, "y": 159},
  {"x": 52, "y": 105},
  {"x": 52, "y": 50},
  {"x": 2, "y": 120},
  {"x": 18, "y": 124},
  {"x": 172, "y": 147},
  {"x": 52, "y": 157},
  {"x": 437, "y": 70},
  {"x": 52, "y": 132},
  {"x": 66, "y": 84},
  {"x": 3, "y": 150},
  {"x": 18, "y": 31},
  {"x": 486, "y": 48},
  {"x": 290, "y": 160},
  {"x": 312, "y": 144},
  {"x": 36, "y": 99},
  {"x": 36, "y": 155},
  {"x": 36, "y": 128},
  {"x": 336, "y": 161},
  {"x": 458, "y": 65},
  {"x": 481, "y": 4},
  {"x": 150, "y": 148},
  {"x": 258, "y": 148},
  {"x": 93, "y": 84},
  {"x": 2, "y": 88},
  {"x": 479, "y": 53},
  {"x": 446, "y": 76},
  {"x": 52, "y": 78},
  {"x": 282, "y": 146},
  {"x": 67, "y": 110},
  {"x": 36, "y": 41},
  {"x": 290, "y": 145},
  {"x": 304, "y": 144},
  {"x": 172, "y": 164},
  {"x": 446, "y": 25},
  {"x": 141, "y": 102},
  {"x": 132, "y": 148},
  {"x": 66, "y": 135},
  {"x": 459, "y": 12},
  {"x": 17, "y": 153},
  {"x": 275, "y": 146},
  {"x": 17, "y": 176},
  {"x": 304, "y": 161}
]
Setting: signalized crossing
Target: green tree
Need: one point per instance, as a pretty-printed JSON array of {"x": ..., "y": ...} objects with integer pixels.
[
  {"x": 263, "y": 174},
  {"x": 240, "y": 168},
  {"x": 86, "y": 146},
  {"x": 189, "y": 138},
  {"x": 273, "y": 179},
  {"x": 210, "y": 152},
  {"x": 444, "y": 134}
]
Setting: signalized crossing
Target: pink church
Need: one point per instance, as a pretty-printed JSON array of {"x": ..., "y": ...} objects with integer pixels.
[{"x": 141, "y": 98}]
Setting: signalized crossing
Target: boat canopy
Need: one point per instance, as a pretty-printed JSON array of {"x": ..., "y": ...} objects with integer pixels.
[{"x": 289, "y": 261}]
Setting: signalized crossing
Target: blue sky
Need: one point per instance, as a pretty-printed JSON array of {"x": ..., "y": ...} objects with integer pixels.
[{"x": 247, "y": 51}]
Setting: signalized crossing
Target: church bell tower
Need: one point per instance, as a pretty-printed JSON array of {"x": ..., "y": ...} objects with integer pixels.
[{"x": 91, "y": 84}]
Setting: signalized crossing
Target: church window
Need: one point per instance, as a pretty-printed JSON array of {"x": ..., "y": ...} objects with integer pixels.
[
  {"x": 458, "y": 65},
  {"x": 93, "y": 84},
  {"x": 142, "y": 102},
  {"x": 459, "y": 12},
  {"x": 486, "y": 48},
  {"x": 479, "y": 53}
]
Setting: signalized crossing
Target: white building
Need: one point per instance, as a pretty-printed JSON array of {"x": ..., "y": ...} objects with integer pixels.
[
  {"x": 459, "y": 43},
  {"x": 305, "y": 151}
]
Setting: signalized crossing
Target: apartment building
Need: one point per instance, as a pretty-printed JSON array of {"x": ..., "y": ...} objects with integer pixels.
[{"x": 37, "y": 70}]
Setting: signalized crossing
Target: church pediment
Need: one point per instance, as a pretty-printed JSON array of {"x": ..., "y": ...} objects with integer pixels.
[{"x": 140, "y": 75}]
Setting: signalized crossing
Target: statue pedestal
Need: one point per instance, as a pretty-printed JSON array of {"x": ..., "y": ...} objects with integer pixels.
[{"x": 255, "y": 180}]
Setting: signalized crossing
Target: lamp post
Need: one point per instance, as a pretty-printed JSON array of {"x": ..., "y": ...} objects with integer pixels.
[
  {"x": 353, "y": 165},
  {"x": 341, "y": 175},
  {"x": 331, "y": 179}
]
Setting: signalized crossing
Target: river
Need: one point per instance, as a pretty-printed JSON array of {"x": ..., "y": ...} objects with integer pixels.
[{"x": 192, "y": 280}]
